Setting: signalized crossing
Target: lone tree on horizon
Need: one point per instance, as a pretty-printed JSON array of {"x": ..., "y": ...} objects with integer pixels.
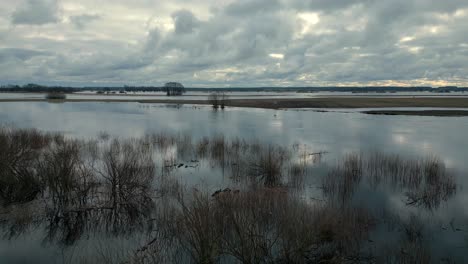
[{"x": 173, "y": 88}]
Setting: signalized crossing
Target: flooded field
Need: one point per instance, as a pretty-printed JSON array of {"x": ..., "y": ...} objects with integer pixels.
[
  {"x": 231, "y": 95},
  {"x": 144, "y": 183}
]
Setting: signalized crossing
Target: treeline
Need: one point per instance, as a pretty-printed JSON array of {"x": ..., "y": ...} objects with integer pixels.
[
  {"x": 370, "y": 89},
  {"x": 36, "y": 88}
]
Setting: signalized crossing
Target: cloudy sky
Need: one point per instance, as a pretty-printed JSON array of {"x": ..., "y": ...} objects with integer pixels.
[{"x": 234, "y": 42}]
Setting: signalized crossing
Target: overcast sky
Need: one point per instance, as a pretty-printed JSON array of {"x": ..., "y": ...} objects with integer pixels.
[{"x": 234, "y": 43}]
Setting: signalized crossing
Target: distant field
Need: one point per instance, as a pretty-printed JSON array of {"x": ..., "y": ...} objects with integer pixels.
[{"x": 353, "y": 102}]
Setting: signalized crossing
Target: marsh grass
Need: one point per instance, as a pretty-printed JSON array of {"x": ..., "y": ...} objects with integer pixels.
[
  {"x": 243, "y": 161},
  {"x": 268, "y": 166},
  {"x": 424, "y": 182}
]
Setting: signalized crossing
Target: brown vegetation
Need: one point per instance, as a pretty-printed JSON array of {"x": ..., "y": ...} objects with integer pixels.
[
  {"x": 259, "y": 226},
  {"x": 118, "y": 187}
]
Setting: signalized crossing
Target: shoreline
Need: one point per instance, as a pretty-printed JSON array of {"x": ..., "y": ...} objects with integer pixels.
[{"x": 441, "y": 113}]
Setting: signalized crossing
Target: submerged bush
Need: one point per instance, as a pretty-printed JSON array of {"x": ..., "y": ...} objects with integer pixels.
[
  {"x": 218, "y": 99},
  {"x": 56, "y": 96},
  {"x": 19, "y": 156},
  {"x": 261, "y": 226},
  {"x": 66, "y": 177},
  {"x": 128, "y": 171}
]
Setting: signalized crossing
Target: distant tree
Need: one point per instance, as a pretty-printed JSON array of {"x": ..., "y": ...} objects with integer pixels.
[
  {"x": 218, "y": 99},
  {"x": 224, "y": 99},
  {"x": 174, "y": 89},
  {"x": 213, "y": 99}
]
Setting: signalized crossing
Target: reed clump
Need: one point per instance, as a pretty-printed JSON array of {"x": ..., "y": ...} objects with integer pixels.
[
  {"x": 425, "y": 182},
  {"x": 267, "y": 168}
]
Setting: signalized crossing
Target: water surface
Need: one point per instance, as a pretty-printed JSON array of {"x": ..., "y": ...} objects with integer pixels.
[{"x": 336, "y": 133}]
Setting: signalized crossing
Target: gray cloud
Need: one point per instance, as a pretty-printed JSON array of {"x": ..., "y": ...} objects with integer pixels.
[
  {"x": 239, "y": 43},
  {"x": 80, "y": 21},
  {"x": 20, "y": 54},
  {"x": 36, "y": 12},
  {"x": 244, "y": 8},
  {"x": 184, "y": 21}
]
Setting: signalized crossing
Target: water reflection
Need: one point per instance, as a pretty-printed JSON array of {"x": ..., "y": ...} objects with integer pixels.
[
  {"x": 187, "y": 149},
  {"x": 424, "y": 182}
]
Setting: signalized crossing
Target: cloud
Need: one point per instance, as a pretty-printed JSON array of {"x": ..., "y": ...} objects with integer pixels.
[
  {"x": 20, "y": 54},
  {"x": 244, "y": 8},
  {"x": 185, "y": 22},
  {"x": 36, "y": 12},
  {"x": 238, "y": 43},
  {"x": 80, "y": 21}
]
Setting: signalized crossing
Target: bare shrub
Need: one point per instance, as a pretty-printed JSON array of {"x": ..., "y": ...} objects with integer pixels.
[
  {"x": 214, "y": 100},
  {"x": 197, "y": 228},
  {"x": 56, "y": 96},
  {"x": 20, "y": 152},
  {"x": 218, "y": 99},
  {"x": 19, "y": 220},
  {"x": 66, "y": 177},
  {"x": 265, "y": 225},
  {"x": 128, "y": 171}
]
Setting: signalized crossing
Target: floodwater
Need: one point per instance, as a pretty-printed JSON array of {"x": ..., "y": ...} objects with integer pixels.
[
  {"x": 335, "y": 133},
  {"x": 232, "y": 95}
]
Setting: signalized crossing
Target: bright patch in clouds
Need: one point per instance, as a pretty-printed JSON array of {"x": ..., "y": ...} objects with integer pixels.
[
  {"x": 308, "y": 20},
  {"x": 406, "y": 39},
  {"x": 277, "y": 55}
]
